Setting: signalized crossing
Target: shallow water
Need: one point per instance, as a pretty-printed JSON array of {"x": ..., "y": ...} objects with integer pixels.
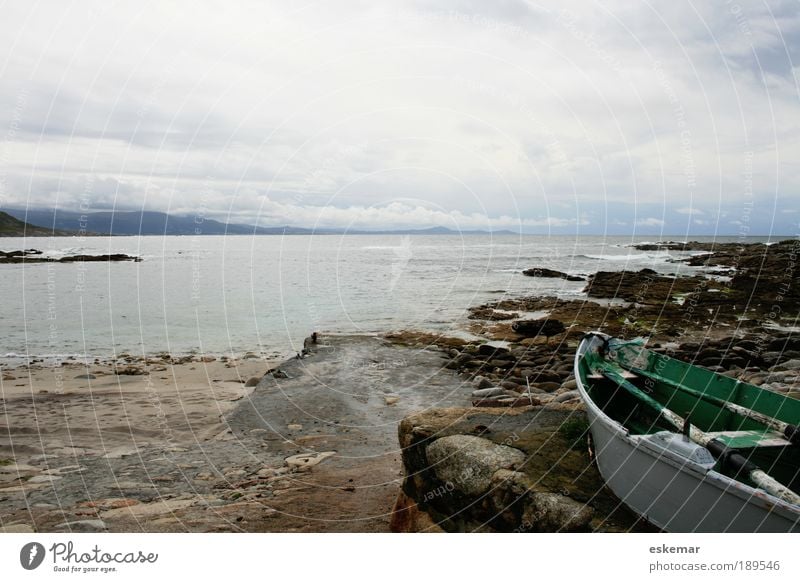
[{"x": 217, "y": 294}]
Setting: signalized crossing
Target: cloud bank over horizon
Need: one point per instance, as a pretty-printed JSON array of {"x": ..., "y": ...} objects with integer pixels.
[{"x": 578, "y": 118}]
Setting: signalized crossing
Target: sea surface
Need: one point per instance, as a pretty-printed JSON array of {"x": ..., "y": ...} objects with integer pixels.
[{"x": 265, "y": 294}]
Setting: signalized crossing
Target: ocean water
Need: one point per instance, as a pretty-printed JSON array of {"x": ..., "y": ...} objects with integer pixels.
[{"x": 265, "y": 294}]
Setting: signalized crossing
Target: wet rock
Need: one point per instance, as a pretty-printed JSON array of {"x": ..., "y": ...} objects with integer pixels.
[
  {"x": 534, "y": 327},
  {"x": 550, "y": 273}
]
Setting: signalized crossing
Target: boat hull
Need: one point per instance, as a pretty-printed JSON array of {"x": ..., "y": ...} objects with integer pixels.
[{"x": 672, "y": 492}]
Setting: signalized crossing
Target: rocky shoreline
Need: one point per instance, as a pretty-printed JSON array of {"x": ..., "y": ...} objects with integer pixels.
[
  {"x": 409, "y": 432},
  {"x": 486, "y": 469}
]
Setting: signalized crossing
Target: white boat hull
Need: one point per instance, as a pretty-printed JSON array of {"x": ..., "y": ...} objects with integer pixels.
[{"x": 672, "y": 492}]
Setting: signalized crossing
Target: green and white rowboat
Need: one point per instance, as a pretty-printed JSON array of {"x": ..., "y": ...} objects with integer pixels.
[{"x": 688, "y": 449}]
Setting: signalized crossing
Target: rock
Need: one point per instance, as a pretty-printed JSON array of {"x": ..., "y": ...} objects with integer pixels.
[
  {"x": 481, "y": 382},
  {"x": 305, "y": 461},
  {"x": 534, "y": 327},
  {"x": 548, "y": 386},
  {"x": 85, "y": 377},
  {"x": 551, "y": 512},
  {"x": 500, "y": 363},
  {"x": 550, "y": 273},
  {"x": 788, "y": 365},
  {"x": 563, "y": 397},
  {"x": 492, "y": 349},
  {"x": 129, "y": 371},
  {"x": 488, "y": 392},
  {"x": 391, "y": 400},
  {"x": 468, "y": 462},
  {"x": 252, "y": 382},
  {"x": 570, "y": 384},
  {"x": 84, "y": 525},
  {"x": 294, "y": 426}
]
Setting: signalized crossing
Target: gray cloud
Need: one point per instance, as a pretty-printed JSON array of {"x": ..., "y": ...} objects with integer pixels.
[{"x": 496, "y": 114}]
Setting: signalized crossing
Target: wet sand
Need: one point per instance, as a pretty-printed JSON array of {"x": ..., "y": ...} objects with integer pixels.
[{"x": 312, "y": 448}]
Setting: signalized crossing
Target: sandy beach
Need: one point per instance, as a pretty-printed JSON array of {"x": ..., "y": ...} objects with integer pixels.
[{"x": 112, "y": 409}]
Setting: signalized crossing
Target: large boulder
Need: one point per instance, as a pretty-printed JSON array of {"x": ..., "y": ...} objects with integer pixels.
[
  {"x": 503, "y": 470},
  {"x": 468, "y": 462}
]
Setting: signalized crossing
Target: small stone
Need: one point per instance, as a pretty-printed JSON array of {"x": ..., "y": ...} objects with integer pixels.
[
  {"x": 295, "y": 426},
  {"x": 252, "y": 382},
  {"x": 391, "y": 400}
]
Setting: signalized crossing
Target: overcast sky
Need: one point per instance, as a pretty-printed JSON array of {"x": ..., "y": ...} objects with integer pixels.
[{"x": 613, "y": 117}]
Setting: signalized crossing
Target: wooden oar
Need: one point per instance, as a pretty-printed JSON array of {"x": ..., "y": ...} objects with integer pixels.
[
  {"x": 718, "y": 449},
  {"x": 790, "y": 431}
]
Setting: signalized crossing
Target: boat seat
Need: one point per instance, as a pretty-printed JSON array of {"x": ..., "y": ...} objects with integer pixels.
[
  {"x": 749, "y": 439},
  {"x": 624, "y": 373}
]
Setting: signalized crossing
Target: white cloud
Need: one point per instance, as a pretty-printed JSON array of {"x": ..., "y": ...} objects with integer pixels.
[
  {"x": 650, "y": 222},
  {"x": 689, "y": 210}
]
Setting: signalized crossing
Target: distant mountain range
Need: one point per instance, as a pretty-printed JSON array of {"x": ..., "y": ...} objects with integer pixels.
[
  {"x": 10, "y": 226},
  {"x": 66, "y": 222}
]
